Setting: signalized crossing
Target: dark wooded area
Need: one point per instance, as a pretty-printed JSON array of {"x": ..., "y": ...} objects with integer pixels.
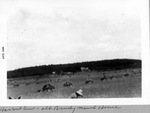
[{"x": 103, "y": 65}]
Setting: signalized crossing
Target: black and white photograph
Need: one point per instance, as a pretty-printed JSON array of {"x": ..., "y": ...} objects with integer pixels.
[{"x": 75, "y": 52}]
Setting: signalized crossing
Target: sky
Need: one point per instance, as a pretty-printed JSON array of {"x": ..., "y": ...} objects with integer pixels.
[{"x": 57, "y": 35}]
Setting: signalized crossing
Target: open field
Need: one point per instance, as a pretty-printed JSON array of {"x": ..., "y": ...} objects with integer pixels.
[{"x": 125, "y": 83}]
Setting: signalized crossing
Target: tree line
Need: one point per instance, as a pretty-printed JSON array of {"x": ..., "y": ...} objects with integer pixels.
[{"x": 103, "y": 65}]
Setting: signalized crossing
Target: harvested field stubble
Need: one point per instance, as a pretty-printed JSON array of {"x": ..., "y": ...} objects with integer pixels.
[{"x": 119, "y": 87}]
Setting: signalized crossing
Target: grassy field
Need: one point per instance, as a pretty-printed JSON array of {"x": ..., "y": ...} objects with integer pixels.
[{"x": 119, "y": 87}]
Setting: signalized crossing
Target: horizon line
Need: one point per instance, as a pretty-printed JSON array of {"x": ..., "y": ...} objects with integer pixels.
[{"x": 74, "y": 63}]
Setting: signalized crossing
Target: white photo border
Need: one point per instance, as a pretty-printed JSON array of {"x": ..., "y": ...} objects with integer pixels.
[{"x": 5, "y": 9}]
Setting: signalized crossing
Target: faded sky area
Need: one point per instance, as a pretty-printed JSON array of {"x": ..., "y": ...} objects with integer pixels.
[{"x": 42, "y": 36}]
